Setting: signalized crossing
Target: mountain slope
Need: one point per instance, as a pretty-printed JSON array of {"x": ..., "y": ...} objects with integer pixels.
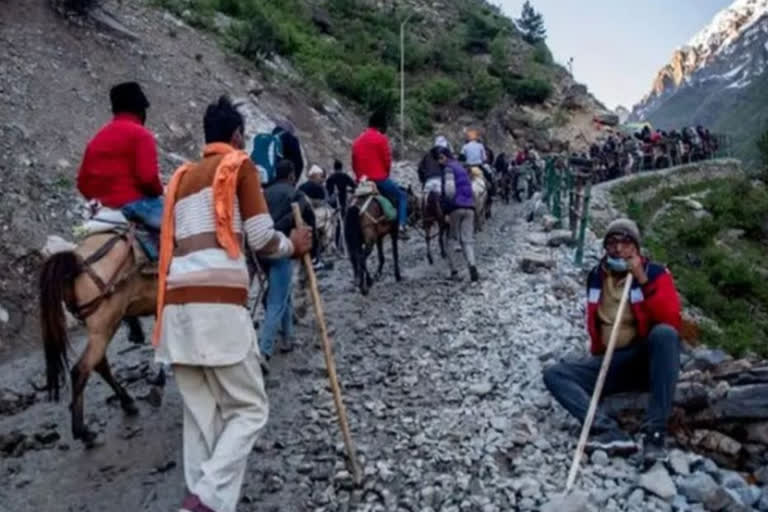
[
  {"x": 718, "y": 79},
  {"x": 55, "y": 73}
]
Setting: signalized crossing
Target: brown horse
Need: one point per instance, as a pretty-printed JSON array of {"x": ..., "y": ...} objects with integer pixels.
[
  {"x": 366, "y": 225},
  {"x": 100, "y": 282},
  {"x": 429, "y": 213}
]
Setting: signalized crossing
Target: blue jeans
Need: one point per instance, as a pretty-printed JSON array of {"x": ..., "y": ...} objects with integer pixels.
[
  {"x": 393, "y": 192},
  {"x": 147, "y": 211},
  {"x": 279, "y": 308},
  {"x": 647, "y": 365}
]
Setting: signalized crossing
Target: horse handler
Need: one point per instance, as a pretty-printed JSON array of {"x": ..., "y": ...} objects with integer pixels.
[
  {"x": 204, "y": 329},
  {"x": 647, "y": 356},
  {"x": 459, "y": 205}
]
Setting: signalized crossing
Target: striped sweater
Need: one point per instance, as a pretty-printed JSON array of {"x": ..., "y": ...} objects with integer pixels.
[{"x": 201, "y": 271}]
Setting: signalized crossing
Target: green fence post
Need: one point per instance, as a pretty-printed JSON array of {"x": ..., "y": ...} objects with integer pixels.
[
  {"x": 549, "y": 184},
  {"x": 579, "y": 259}
]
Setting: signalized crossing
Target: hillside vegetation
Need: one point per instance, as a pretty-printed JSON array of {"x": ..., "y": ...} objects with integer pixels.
[
  {"x": 713, "y": 235},
  {"x": 468, "y": 58}
]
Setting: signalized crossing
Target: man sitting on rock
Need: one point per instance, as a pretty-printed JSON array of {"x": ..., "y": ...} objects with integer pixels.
[{"x": 647, "y": 356}]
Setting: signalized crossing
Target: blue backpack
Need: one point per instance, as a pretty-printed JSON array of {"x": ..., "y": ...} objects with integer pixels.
[{"x": 267, "y": 152}]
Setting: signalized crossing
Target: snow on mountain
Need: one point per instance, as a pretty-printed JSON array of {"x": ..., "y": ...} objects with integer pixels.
[
  {"x": 730, "y": 51},
  {"x": 718, "y": 79}
]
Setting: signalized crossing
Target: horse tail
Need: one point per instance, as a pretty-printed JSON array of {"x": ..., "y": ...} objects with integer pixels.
[
  {"x": 56, "y": 287},
  {"x": 353, "y": 230}
]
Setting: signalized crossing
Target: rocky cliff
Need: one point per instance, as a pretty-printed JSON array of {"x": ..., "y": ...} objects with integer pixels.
[{"x": 717, "y": 79}]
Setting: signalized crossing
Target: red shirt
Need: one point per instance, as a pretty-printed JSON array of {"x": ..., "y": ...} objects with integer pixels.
[
  {"x": 120, "y": 164},
  {"x": 371, "y": 156},
  {"x": 656, "y": 302}
]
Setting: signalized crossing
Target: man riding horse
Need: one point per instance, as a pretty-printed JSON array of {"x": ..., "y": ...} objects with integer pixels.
[
  {"x": 372, "y": 159},
  {"x": 119, "y": 167},
  {"x": 120, "y": 170}
]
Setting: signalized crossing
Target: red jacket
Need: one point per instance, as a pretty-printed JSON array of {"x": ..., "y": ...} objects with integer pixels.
[
  {"x": 120, "y": 164},
  {"x": 371, "y": 156},
  {"x": 655, "y": 303}
]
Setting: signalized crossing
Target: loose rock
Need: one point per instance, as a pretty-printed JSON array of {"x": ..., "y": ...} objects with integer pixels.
[{"x": 657, "y": 481}]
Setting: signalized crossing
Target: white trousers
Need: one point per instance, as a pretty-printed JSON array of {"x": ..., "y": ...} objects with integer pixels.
[{"x": 224, "y": 409}]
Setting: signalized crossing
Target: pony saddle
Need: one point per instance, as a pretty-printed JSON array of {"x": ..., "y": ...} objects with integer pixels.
[
  {"x": 146, "y": 241},
  {"x": 366, "y": 192}
]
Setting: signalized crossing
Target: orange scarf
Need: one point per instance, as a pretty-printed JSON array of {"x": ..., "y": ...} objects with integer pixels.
[{"x": 224, "y": 190}]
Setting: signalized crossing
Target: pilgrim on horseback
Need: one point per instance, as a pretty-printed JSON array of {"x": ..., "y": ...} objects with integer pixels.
[
  {"x": 119, "y": 168},
  {"x": 317, "y": 194},
  {"x": 372, "y": 160},
  {"x": 105, "y": 278},
  {"x": 371, "y": 216},
  {"x": 459, "y": 204},
  {"x": 430, "y": 175},
  {"x": 119, "y": 175},
  {"x": 473, "y": 156},
  {"x": 203, "y": 328}
]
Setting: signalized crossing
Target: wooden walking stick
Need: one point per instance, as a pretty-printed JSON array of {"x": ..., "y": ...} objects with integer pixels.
[
  {"x": 329, "y": 361},
  {"x": 598, "y": 387}
]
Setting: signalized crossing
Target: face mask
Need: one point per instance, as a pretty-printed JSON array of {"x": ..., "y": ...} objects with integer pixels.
[{"x": 616, "y": 264}]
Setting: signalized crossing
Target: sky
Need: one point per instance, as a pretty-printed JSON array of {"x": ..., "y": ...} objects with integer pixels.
[{"x": 618, "y": 46}]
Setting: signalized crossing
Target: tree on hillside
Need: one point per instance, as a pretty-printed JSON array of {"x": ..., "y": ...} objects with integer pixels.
[
  {"x": 762, "y": 146},
  {"x": 531, "y": 24}
]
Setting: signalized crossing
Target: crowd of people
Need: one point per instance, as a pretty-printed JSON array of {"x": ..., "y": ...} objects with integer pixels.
[
  {"x": 215, "y": 207},
  {"x": 620, "y": 154}
]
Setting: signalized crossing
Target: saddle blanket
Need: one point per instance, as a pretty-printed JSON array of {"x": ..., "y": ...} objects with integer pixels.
[
  {"x": 433, "y": 185},
  {"x": 105, "y": 220},
  {"x": 390, "y": 212}
]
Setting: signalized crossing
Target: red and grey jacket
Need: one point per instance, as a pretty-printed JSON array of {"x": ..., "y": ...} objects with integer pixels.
[{"x": 654, "y": 303}]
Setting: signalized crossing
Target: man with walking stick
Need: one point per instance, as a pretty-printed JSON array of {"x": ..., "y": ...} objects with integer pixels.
[
  {"x": 647, "y": 346},
  {"x": 203, "y": 328}
]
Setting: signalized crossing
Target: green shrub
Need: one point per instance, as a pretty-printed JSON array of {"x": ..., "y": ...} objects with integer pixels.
[
  {"x": 722, "y": 276},
  {"x": 258, "y": 38},
  {"x": 370, "y": 85},
  {"x": 440, "y": 91},
  {"x": 361, "y": 59},
  {"x": 542, "y": 54},
  {"x": 483, "y": 91},
  {"x": 419, "y": 116},
  {"x": 528, "y": 90},
  {"x": 480, "y": 30},
  {"x": 446, "y": 54}
]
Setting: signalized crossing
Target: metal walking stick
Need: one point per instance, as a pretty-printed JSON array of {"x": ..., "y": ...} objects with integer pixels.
[
  {"x": 598, "y": 388},
  {"x": 329, "y": 360}
]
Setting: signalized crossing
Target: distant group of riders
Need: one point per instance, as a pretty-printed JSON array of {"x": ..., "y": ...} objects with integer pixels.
[
  {"x": 188, "y": 251},
  {"x": 620, "y": 155}
]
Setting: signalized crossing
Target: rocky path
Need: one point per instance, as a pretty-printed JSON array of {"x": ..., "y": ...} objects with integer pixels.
[{"x": 442, "y": 381}]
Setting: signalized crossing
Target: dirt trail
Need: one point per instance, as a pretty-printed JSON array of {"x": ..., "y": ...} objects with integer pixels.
[{"x": 386, "y": 345}]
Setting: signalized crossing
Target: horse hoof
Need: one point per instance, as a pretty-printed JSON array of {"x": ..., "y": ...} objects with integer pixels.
[
  {"x": 130, "y": 408},
  {"x": 91, "y": 440}
]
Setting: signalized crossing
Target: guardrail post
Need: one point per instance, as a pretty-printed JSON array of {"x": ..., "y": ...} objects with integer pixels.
[{"x": 579, "y": 259}]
